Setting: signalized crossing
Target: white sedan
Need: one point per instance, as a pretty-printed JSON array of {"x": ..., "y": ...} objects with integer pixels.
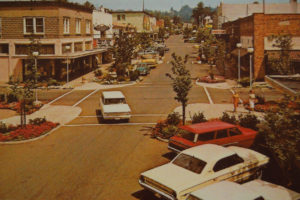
[{"x": 200, "y": 166}]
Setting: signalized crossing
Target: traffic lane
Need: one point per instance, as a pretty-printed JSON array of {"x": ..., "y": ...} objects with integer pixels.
[
  {"x": 51, "y": 94},
  {"x": 220, "y": 96},
  {"x": 85, "y": 163},
  {"x": 72, "y": 98}
]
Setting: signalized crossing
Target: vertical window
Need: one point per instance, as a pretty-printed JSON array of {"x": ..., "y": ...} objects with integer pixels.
[
  {"x": 0, "y": 27},
  {"x": 88, "y": 26},
  {"x": 123, "y": 17},
  {"x": 78, "y": 26},
  {"x": 66, "y": 25},
  {"x": 119, "y": 17},
  {"x": 34, "y": 25}
]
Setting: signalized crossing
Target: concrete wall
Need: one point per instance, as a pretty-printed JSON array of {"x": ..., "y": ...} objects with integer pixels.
[
  {"x": 101, "y": 17},
  {"x": 140, "y": 20}
]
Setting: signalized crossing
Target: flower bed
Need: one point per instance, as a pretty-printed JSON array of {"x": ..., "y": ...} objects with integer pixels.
[
  {"x": 16, "y": 107},
  {"x": 28, "y": 132},
  {"x": 207, "y": 79}
]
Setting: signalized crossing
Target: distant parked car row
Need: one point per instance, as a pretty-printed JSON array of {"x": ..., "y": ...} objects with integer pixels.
[{"x": 190, "y": 40}]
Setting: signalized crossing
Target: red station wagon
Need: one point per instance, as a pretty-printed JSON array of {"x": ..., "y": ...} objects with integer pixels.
[{"x": 216, "y": 132}]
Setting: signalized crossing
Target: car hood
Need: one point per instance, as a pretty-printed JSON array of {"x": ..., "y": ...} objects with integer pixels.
[
  {"x": 174, "y": 177},
  {"x": 116, "y": 108}
]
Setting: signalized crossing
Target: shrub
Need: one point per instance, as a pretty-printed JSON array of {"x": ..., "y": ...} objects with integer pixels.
[
  {"x": 173, "y": 119},
  {"x": 133, "y": 75},
  {"x": 249, "y": 121},
  {"x": 98, "y": 72},
  {"x": 52, "y": 82},
  {"x": 229, "y": 119},
  {"x": 169, "y": 131},
  {"x": 156, "y": 131},
  {"x": 37, "y": 121},
  {"x": 2, "y": 97},
  {"x": 3, "y": 128},
  {"x": 198, "y": 118},
  {"x": 121, "y": 78},
  {"x": 245, "y": 82},
  {"x": 260, "y": 99},
  {"x": 11, "y": 97}
]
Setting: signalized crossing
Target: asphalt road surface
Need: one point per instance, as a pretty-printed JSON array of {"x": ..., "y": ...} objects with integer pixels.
[{"x": 88, "y": 159}]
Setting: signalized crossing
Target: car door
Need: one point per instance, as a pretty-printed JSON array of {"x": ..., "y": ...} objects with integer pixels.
[
  {"x": 222, "y": 137},
  {"x": 236, "y": 137}
]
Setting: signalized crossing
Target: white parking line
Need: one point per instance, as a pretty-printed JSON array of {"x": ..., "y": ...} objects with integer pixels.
[
  {"x": 208, "y": 96},
  {"x": 84, "y": 98},
  {"x": 59, "y": 97},
  {"x": 121, "y": 124},
  {"x": 134, "y": 115}
]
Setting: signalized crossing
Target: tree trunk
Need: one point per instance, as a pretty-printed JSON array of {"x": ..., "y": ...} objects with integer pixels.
[{"x": 183, "y": 113}]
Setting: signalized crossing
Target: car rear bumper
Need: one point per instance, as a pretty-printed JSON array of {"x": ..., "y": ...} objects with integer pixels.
[
  {"x": 116, "y": 117},
  {"x": 156, "y": 191}
]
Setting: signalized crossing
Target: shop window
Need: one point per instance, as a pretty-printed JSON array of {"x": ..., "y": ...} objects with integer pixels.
[
  {"x": 47, "y": 49},
  {"x": 4, "y": 48},
  {"x": 66, "y": 49},
  {"x": 78, "y": 46},
  {"x": 88, "y": 45},
  {"x": 21, "y": 49}
]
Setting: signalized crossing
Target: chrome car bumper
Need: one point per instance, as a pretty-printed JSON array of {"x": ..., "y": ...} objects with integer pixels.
[{"x": 154, "y": 190}]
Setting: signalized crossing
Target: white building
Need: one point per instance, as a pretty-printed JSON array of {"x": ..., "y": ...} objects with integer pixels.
[{"x": 103, "y": 24}]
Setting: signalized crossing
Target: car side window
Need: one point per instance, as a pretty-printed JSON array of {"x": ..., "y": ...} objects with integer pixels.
[
  {"x": 206, "y": 136},
  {"x": 227, "y": 162},
  {"x": 222, "y": 134},
  {"x": 234, "y": 132}
]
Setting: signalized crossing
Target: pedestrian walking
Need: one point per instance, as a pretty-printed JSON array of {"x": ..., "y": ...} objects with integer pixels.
[
  {"x": 235, "y": 99},
  {"x": 252, "y": 100}
]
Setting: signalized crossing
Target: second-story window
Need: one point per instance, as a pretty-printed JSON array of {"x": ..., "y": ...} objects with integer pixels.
[
  {"x": 66, "y": 25},
  {"x": 119, "y": 17},
  {"x": 34, "y": 25},
  {"x": 78, "y": 26},
  {"x": 0, "y": 27},
  {"x": 123, "y": 17},
  {"x": 88, "y": 26}
]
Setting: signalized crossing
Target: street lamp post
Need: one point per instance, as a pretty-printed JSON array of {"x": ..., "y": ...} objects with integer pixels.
[
  {"x": 250, "y": 50},
  {"x": 239, "y": 45},
  {"x": 67, "y": 49},
  {"x": 35, "y": 54}
]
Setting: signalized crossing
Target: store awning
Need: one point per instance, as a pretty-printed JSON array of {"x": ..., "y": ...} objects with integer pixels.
[{"x": 243, "y": 52}]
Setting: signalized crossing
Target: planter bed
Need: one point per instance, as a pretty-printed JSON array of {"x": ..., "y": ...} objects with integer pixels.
[
  {"x": 16, "y": 107},
  {"x": 207, "y": 79},
  {"x": 17, "y": 133}
]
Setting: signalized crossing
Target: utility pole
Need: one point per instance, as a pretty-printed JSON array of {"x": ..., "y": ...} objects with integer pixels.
[
  {"x": 143, "y": 5},
  {"x": 264, "y": 6}
]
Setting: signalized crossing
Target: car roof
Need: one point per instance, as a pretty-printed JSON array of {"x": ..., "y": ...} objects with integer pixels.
[
  {"x": 207, "y": 127},
  {"x": 225, "y": 190},
  {"x": 271, "y": 191},
  {"x": 209, "y": 152},
  {"x": 113, "y": 95}
]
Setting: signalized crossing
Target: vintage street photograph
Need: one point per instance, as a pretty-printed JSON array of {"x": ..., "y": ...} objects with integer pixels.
[{"x": 149, "y": 100}]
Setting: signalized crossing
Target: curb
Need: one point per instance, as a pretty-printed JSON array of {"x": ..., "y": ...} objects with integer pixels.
[
  {"x": 162, "y": 140},
  {"x": 30, "y": 140}
]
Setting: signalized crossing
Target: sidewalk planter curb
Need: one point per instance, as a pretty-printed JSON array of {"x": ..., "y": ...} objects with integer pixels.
[{"x": 33, "y": 139}]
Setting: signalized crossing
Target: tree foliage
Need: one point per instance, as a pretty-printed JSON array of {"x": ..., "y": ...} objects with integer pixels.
[
  {"x": 200, "y": 12},
  {"x": 281, "y": 133},
  {"x": 144, "y": 40},
  {"x": 284, "y": 43},
  {"x": 123, "y": 53},
  {"x": 182, "y": 82}
]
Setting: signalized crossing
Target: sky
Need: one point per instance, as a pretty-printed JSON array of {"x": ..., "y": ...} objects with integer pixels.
[{"x": 163, "y": 4}]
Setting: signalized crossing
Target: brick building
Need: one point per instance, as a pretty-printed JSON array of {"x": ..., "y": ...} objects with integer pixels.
[
  {"x": 64, "y": 31},
  {"x": 256, "y": 31}
]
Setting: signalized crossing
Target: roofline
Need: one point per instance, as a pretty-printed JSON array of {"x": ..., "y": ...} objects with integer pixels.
[
  {"x": 39, "y": 3},
  {"x": 132, "y": 11}
]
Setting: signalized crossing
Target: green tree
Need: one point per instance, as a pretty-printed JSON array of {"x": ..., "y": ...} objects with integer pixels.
[
  {"x": 144, "y": 40},
  {"x": 284, "y": 43},
  {"x": 187, "y": 32},
  {"x": 281, "y": 134},
  {"x": 89, "y": 5},
  {"x": 123, "y": 52},
  {"x": 182, "y": 82},
  {"x": 200, "y": 12}
]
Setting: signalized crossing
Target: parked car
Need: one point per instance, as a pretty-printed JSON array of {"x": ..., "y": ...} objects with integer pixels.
[
  {"x": 190, "y": 40},
  {"x": 152, "y": 63},
  {"x": 113, "y": 106},
  {"x": 200, "y": 166},
  {"x": 216, "y": 132},
  {"x": 143, "y": 69},
  {"x": 253, "y": 190}
]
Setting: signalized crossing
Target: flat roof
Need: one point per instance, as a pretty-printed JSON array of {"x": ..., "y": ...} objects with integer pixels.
[
  {"x": 113, "y": 95},
  {"x": 131, "y": 11},
  {"x": 40, "y": 3},
  {"x": 207, "y": 127}
]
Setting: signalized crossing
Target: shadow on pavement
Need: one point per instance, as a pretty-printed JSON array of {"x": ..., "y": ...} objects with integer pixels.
[{"x": 144, "y": 195}]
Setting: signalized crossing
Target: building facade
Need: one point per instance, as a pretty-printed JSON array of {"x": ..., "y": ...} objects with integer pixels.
[
  {"x": 231, "y": 12},
  {"x": 103, "y": 26},
  {"x": 63, "y": 30},
  {"x": 256, "y": 31},
  {"x": 140, "y": 19}
]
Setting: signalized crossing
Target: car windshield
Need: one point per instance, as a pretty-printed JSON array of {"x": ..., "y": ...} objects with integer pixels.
[
  {"x": 190, "y": 163},
  {"x": 114, "y": 101},
  {"x": 187, "y": 135}
]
